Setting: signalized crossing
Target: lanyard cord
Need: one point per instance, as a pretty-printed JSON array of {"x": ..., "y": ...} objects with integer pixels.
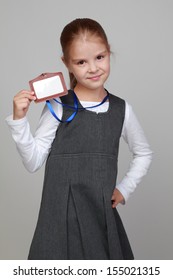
[{"x": 75, "y": 107}]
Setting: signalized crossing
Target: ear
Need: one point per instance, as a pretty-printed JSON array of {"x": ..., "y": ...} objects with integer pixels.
[{"x": 65, "y": 62}]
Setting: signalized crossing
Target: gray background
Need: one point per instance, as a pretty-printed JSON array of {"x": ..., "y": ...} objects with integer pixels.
[{"x": 141, "y": 37}]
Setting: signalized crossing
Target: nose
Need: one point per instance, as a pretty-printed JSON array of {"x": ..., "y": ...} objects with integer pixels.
[{"x": 92, "y": 67}]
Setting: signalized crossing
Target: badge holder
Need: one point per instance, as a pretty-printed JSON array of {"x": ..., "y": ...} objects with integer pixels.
[{"x": 48, "y": 86}]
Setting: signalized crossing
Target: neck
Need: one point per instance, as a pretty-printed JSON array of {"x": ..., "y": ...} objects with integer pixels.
[{"x": 95, "y": 95}]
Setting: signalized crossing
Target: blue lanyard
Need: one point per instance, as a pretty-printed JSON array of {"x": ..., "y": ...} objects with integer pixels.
[{"x": 75, "y": 107}]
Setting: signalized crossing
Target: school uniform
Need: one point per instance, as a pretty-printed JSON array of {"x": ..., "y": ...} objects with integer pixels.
[{"x": 76, "y": 219}]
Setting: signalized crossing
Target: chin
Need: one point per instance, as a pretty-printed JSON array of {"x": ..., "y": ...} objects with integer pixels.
[
  {"x": 95, "y": 87},
  {"x": 96, "y": 84}
]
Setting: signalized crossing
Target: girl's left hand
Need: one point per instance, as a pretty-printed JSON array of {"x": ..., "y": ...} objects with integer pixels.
[{"x": 117, "y": 198}]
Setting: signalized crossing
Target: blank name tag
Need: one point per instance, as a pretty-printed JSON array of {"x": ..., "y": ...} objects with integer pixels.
[{"x": 48, "y": 86}]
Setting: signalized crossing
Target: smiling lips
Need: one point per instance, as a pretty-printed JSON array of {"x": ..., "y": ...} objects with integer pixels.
[{"x": 95, "y": 78}]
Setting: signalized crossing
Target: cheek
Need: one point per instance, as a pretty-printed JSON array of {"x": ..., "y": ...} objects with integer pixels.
[
  {"x": 78, "y": 72},
  {"x": 106, "y": 65},
  {"x": 107, "y": 68}
]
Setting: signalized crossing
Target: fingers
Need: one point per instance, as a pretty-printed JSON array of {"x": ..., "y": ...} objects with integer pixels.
[
  {"x": 24, "y": 94},
  {"x": 117, "y": 198},
  {"x": 114, "y": 203},
  {"x": 21, "y": 103}
]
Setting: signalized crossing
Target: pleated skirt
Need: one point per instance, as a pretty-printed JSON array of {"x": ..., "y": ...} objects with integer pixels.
[{"x": 76, "y": 220}]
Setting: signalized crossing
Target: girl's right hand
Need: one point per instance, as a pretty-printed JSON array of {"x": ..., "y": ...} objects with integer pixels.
[{"x": 21, "y": 103}]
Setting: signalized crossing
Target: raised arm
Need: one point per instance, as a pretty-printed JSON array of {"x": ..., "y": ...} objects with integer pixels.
[{"x": 33, "y": 149}]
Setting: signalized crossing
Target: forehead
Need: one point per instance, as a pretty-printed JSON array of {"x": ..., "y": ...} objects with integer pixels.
[{"x": 86, "y": 44}]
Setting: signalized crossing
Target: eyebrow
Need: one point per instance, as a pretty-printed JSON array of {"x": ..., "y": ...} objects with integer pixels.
[{"x": 99, "y": 53}]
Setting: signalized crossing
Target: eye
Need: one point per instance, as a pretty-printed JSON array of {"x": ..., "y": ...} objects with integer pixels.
[
  {"x": 99, "y": 57},
  {"x": 81, "y": 62}
]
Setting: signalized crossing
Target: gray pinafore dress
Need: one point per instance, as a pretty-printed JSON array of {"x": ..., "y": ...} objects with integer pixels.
[{"x": 76, "y": 219}]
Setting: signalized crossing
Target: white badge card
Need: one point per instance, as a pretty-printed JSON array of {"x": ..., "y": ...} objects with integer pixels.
[{"x": 48, "y": 86}]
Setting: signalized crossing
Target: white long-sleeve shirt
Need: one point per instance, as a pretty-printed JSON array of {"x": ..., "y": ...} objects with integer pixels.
[{"x": 35, "y": 149}]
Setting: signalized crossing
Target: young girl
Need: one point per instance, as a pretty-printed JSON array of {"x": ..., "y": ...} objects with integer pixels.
[{"x": 78, "y": 218}]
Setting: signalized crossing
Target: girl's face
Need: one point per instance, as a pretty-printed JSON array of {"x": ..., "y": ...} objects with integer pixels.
[{"x": 89, "y": 61}]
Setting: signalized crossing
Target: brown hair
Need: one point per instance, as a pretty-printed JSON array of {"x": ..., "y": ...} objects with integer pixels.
[{"x": 75, "y": 29}]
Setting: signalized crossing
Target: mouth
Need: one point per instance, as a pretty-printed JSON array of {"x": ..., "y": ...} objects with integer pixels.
[{"x": 94, "y": 78}]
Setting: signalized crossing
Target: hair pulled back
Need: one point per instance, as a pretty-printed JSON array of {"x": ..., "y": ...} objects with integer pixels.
[{"x": 76, "y": 28}]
